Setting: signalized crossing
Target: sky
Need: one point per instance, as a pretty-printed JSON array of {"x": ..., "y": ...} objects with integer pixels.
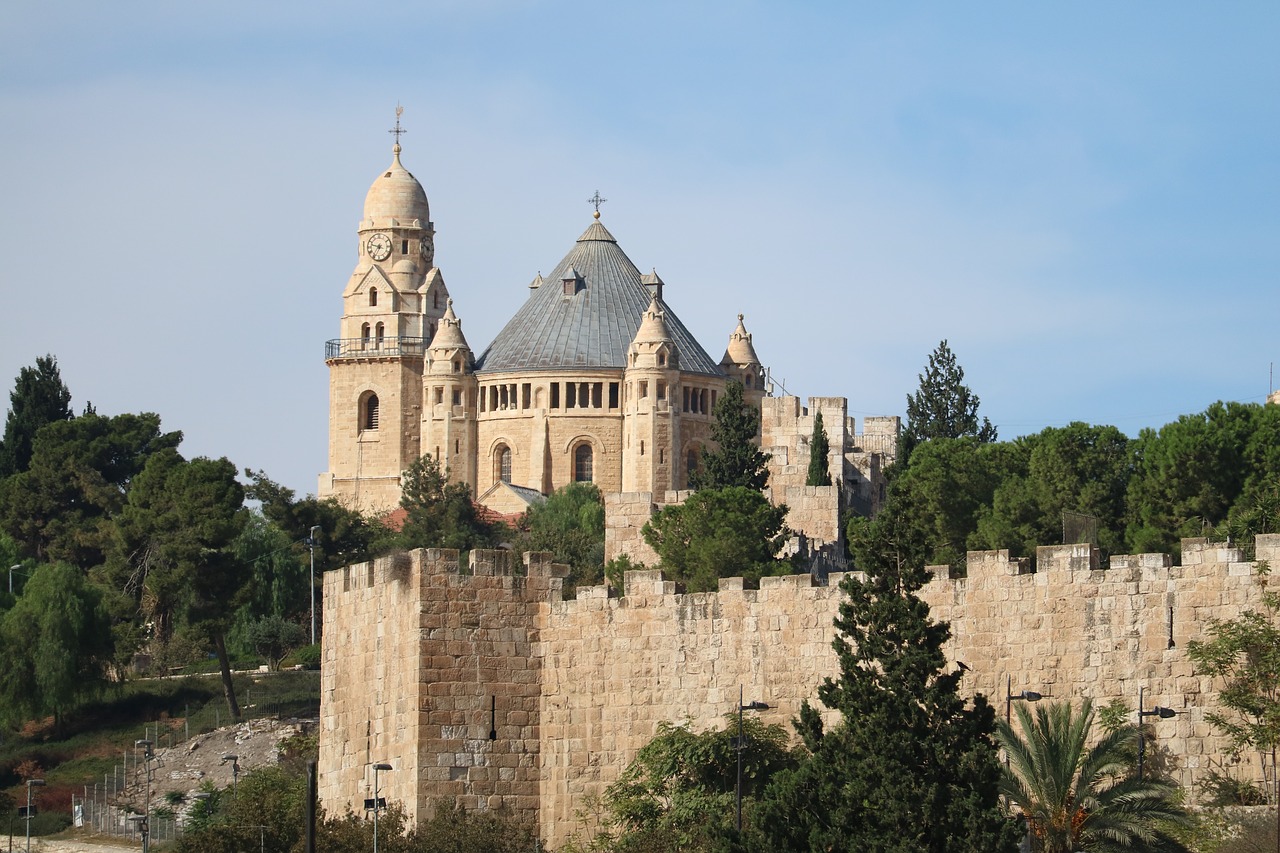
[{"x": 1080, "y": 198}]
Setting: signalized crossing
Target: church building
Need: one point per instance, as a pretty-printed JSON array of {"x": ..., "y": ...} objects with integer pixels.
[{"x": 593, "y": 379}]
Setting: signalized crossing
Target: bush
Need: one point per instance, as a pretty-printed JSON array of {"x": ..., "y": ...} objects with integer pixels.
[{"x": 308, "y": 657}]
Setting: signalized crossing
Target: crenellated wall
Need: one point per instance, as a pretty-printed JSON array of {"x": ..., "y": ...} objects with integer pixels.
[{"x": 413, "y": 650}]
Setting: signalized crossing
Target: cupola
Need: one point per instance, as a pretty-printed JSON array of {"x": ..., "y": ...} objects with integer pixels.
[{"x": 396, "y": 198}]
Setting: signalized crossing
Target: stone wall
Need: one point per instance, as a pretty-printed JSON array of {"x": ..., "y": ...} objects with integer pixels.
[{"x": 583, "y": 684}]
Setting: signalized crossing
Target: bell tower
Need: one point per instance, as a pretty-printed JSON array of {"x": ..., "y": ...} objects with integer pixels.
[{"x": 392, "y": 305}]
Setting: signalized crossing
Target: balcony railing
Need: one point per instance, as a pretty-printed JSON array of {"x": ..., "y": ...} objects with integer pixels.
[{"x": 373, "y": 347}]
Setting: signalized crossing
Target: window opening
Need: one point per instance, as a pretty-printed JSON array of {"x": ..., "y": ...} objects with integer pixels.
[
  {"x": 370, "y": 412},
  {"x": 613, "y": 395},
  {"x": 582, "y": 463},
  {"x": 503, "y": 463},
  {"x": 373, "y": 297}
]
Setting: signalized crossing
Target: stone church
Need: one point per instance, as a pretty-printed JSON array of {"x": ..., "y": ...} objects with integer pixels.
[{"x": 594, "y": 378}]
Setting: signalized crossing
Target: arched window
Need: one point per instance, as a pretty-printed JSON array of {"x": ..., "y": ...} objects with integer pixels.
[
  {"x": 373, "y": 297},
  {"x": 369, "y": 412},
  {"x": 378, "y": 333},
  {"x": 582, "y": 463},
  {"x": 502, "y": 463},
  {"x": 690, "y": 467},
  {"x": 364, "y": 336}
]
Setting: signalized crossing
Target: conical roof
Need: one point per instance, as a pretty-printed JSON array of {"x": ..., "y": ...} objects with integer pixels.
[
  {"x": 653, "y": 328},
  {"x": 449, "y": 333},
  {"x": 740, "y": 350},
  {"x": 590, "y": 324}
]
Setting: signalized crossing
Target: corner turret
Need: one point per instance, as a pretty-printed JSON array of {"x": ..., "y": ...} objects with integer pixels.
[
  {"x": 449, "y": 392},
  {"x": 741, "y": 363}
]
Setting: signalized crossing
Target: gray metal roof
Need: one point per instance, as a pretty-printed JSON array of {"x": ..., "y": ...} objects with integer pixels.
[{"x": 594, "y": 324}]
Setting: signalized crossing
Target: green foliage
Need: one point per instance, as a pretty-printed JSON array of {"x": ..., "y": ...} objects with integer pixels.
[
  {"x": 61, "y": 507},
  {"x": 819, "y": 449},
  {"x": 909, "y": 767},
  {"x": 681, "y": 786},
  {"x": 55, "y": 644},
  {"x": 440, "y": 513},
  {"x": 1076, "y": 797},
  {"x": 1078, "y": 468},
  {"x": 719, "y": 533},
  {"x": 446, "y": 830},
  {"x": 569, "y": 524},
  {"x": 274, "y": 637},
  {"x": 736, "y": 461},
  {"x": 1245, "y": 653},
  {"x": 38, "y": 397},
  {"x": 943, "y": 407},
  {"x": 615, "y": 570}
]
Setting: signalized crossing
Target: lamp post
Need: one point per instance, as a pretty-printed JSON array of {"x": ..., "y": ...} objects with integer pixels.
[
  {"x": 235, "y": 773},
  {"x": 376, "y": 804},
  {"x": 741, "y": 744},
  {"x": 311, "y": 543},
  {"x": 1009, "y": 697},
  {"x": 144, "y": 826},
  {"x": 1159, "y": 713},
  {"x": 31, "y": 783},
  {"x": 13, "y": 569}
]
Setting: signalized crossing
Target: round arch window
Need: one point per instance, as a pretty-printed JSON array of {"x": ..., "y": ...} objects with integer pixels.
[{"x": 582, "y": 463}]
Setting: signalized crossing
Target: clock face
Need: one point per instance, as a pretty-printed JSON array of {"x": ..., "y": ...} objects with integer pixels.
[
  {"x": 424, "y": 245},
  {"x": 379, "y": 247}
]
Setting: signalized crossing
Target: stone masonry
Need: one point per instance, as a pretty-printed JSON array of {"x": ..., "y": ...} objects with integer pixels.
[{"x": 417, "y": 656}]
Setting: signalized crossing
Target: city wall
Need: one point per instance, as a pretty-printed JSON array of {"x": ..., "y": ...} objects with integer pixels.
[{"x": 413, "y": 651}]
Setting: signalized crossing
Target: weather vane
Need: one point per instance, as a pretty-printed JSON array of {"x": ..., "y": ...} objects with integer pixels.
[
  {"x": 597, "y": 201},
  {"x": 397, "y": 130}
]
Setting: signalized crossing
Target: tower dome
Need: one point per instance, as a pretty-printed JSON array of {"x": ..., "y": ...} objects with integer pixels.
[{"x": 396, "y": 194}]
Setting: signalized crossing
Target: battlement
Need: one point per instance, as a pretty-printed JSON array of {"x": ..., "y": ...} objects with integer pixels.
[{"x": 482, "y": 685}]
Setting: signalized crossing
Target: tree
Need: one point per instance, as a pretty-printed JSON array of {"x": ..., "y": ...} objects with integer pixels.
[
  {"x": 819, "y": 449},
  {"x": 39, "y": 397},
  {"x": 55, "y": 644},
  {"x": 440, "y": 514},
  {"x": 569, "y": 524},
  {"x": 273, "y": 638},
  {"x": 736, "y": 461},
  {"x": 1245, "y": 653},
  {"x": 943, "y": 407},
  {"x": 681, "y": 787},
  {"x": 909, "y": 767},
  {"x": 718, "y": 533},
  {"x": 1080, "y": 798}
]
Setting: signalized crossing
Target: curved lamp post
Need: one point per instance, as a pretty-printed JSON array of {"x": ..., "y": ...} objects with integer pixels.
[
  {"x": 235, "y": 774},
  {"x": 741, "y": 744},
  {"x": 1159, "y": 713},
  {"x": 1010, "y": 698},
  {"x": 376, "y": 804},
  {"x": 311, "y": 543},
  {"x": 31, "y": 783}
]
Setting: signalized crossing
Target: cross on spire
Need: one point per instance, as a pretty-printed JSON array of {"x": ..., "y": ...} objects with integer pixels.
[
  {"x": 397, "y": 130},
  {"x": 597, "y": 201}
]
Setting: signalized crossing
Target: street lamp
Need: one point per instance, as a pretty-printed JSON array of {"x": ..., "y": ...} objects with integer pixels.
[
  {"x": 1009, "y": 697},
  {"x": 376, "y": 804},
  {"x": 311, "y": 543},
  {"x": 753, "y": 706},
  {"x": 235, "y": 773},
  {"x": 13, "y": 569},
  {"x": 144, "y": 829},
  {"x": 145, "y": 825},
  {"x": 31, "y": 783},
  {"x": 1159, "y": 713}
]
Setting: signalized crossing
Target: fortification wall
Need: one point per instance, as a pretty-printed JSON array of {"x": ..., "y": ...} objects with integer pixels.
[
  {"x": 434, "y": 672},
  {"x": 590, "y": 679}
]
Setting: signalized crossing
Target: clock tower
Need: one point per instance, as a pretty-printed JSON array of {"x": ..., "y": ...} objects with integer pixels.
[{"x": 392, "y": 307}]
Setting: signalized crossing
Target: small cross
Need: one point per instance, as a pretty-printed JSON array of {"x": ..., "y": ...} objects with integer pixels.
[
  {"x": 597, "y": 201},
  {"x": 397, "y": 130}
]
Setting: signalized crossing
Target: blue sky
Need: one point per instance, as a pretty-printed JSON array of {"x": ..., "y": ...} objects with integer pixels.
[{"x": 1082, "y": 199}]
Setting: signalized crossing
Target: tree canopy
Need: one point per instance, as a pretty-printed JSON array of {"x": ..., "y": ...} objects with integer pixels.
[
  {"x": 736, "y": 459},
  {"x": 943, "y": 407},
  {"x": 440, "y": 514},
  {"x": 570, "y": 525},
  {"x": 39, "y": 397}
]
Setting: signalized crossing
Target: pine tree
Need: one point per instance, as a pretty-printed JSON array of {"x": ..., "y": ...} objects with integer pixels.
[
  {"x": 38, "y": 397},
  {"x": 439, "y": 514},
  {"x": 736, "y": 461},
  {"x": 819, "y": 449},
  {"x": 944, "y": 407},
  {"x": 909, "y": 767}
]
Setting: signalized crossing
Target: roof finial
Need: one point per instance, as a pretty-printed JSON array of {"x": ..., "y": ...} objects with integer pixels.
[
  {"x": 597, "y": 201},
  {"x": 397, "y": 130}
]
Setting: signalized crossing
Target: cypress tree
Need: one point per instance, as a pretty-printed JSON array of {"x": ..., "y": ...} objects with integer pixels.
[
  {"x": 819, "y": 449},
  {"x": 910, "y": 766},
  {"x": 943, "y": 407},
  {"x": 736, "y": 461},
  {"x": 38, "y": 397}
]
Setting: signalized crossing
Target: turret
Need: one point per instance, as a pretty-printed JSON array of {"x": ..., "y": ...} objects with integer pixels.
[
  {"x": 449, "y": 390},
  {"x": 651, "y": 420},
  {"x": 741, "y": 363}
]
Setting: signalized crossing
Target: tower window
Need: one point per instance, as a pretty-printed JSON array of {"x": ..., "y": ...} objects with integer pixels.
[
  {"x": 502, "y": 463},
  {"x": 378, "y": 335},
  {"x": 373, "y": 297},
  {"x": 555, "y": 395},
  {"x": 662, "y": 359},
  {"x": 582, "y": 463},
  {"x": 404, "y": 247},
  {"x": 457, "y": 365},
  {"x": 613, "y": 395},
  {"x": 364, "y": 336},
  {"x": 369, "y": 415},
  {"x": 435, "y": 303}
]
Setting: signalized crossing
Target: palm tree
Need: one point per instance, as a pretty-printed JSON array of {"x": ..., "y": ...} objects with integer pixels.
[{"x": 1080, "y": 798}]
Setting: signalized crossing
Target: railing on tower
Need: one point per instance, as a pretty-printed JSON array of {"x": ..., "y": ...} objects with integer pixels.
[{"x": 373, "y": 347}]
